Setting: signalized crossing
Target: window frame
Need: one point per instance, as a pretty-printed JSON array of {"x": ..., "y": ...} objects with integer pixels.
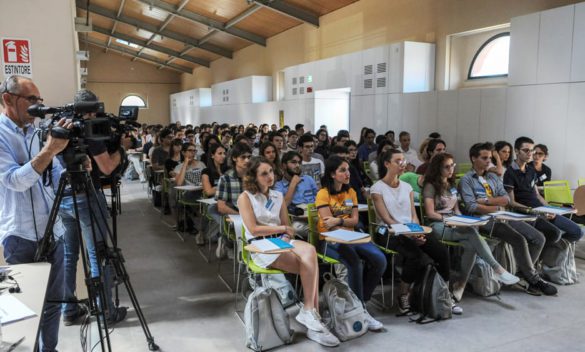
[
  {"x": 491, "y": 39},
  {"x": 135, "y": 95}
]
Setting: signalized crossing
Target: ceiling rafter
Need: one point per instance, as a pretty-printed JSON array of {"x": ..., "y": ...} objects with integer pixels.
[
  {"x": 186, "y": 40},
  {"x": 290, "y": 10},
  {"x": 120, "y": 9},
  {"x": 152, "y": 46},
  {"x": 209, "y": 22},
  {"x": 145, "y": 57}
]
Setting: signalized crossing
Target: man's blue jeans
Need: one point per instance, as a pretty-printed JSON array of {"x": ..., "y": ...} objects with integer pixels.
[
  {"x": 87, "y": 210},
  {"x": 20, "y": 251}
]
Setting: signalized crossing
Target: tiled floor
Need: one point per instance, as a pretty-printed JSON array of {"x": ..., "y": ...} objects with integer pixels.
[{"x": 189, "y": 309}]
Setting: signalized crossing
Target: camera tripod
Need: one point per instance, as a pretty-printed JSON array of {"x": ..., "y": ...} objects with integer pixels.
[{"x": 81, "y": 183}]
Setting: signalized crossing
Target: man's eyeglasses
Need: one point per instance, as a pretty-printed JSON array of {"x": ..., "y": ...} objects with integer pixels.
[
  {"x": 33, "y": 99},
  {"x": 527, "y": 151}
]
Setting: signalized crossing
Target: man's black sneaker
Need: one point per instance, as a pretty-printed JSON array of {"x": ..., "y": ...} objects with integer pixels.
[
  {"x": 118, "y": 315},
  {"x": 544, "y": 287},
  {"x": 76, "y": 318}
]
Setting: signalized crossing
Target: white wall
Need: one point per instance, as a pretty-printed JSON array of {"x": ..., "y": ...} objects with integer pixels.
[
  {"x": 332, "y": 110},
  {"x": 50, "y": 28}
]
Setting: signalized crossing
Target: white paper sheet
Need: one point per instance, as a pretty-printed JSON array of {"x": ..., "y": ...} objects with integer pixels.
[
  {"x": 345, "y": 235},
  {"x": 553, "y": 210},
  {"x": 464, "y": 220},
  {"x": 11, "y": 309}
]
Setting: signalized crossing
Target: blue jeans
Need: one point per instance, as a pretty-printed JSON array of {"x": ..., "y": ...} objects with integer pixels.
[
  {"x": 20, "y": 251},
  {"x": 362, "y": 277},
  {"x": 560, "y": 227},
  {"x": 72, "y": 245}
]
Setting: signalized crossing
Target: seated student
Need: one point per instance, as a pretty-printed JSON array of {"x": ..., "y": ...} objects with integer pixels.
[
  {"x": 184, "y": 171},
  {"x": 520, "y": 182},
  {"x": 543, "y": 172},
  {"x": 394, "y": 203},
  {"x": 264, "y": 214},
  {"x": 211, "y": 140},
  {"x": 159, "y": 155},
  {"x": 434, "y": 147},
  {"x": 226, "y": 139},
  {"x": 354, "y": 180},
  {"x": 229, "y": 188},
  {"x": 342, "y": 137},
  {"x": 337, "y": 207},
  {"x": 216, "y": 166},
  {"x": 410, "y": 154},
  {"x": 296, "y": 188},
  {"x": 484, "y": 193},
  {"x": 278, "y": 141},
  {"x": 175, "y": 157},
  {"x": 501, "y": 158},
  {"x": 269, "y": 151},
  {"x": 310, "y": 166},
  {"x": 323, "y": 144},
  {"x": 368, "y": 146},
  {"x": 356, "y": 164},
  {"x": 292, "y": 141},
  {"x": 440, "y": 199},
  {"x": 382, "y": 147}
]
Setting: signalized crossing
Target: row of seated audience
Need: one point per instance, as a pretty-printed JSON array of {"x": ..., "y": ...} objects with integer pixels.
[{"x": 265, "y": 176}]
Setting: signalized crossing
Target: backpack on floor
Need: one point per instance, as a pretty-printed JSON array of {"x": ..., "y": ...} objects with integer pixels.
[
  {"x": 483, "y": 280},
  {"x": 282, "y": 287},
  {"x": 348, "y": 317},
  {"x": 504, "y": 254},
  {"x": 430, "y": 297},
  {"x": 267, "y": 323},
  {"x": 558, "y": 263}
]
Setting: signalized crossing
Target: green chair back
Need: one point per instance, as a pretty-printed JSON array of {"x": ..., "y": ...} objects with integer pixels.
[
  {"x": 462, "y": 169},
  {"x": 371, "y": 217},
  {"x": 581, "y": 182},
  {"x": 313, "y": 218},
  {"x": 558, "y": 192}
]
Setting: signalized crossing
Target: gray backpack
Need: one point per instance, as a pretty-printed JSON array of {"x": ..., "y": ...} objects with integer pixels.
[
  {"x": 267, "y": 323},
  {"x": 431, "y": 297},
  {"x": 284, "y": 289},
  {"x": 504, "y": 254},
  {"x": 483, "y": 279},
  {"x": 558, "y": 263},
  {"x": 348, "y": 317}
]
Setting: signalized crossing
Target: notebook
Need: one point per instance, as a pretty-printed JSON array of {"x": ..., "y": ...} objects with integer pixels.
[
  {"x": 271, "y": 244},
  {"x": 549, "y": 209},
  {"x": 345, "y": 235},
  {"x": 407, "y": 228},
  {"x": 465, "y": 219}
]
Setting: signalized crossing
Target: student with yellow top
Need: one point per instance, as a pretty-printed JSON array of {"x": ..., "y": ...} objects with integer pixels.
[{"x": 337, "y": 207}]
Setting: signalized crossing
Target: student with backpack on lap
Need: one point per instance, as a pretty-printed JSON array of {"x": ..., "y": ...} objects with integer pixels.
[
  {"x": 264, "y": 214},
  {"x": 440, "y": 200},
  {"x": 394, "y": 204},
  {"x": 337, "y": 207}
]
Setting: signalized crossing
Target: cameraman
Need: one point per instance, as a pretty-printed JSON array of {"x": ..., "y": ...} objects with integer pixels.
[
  {"x": 26, "y": 199},
  {"x": 103, "y": 163}
]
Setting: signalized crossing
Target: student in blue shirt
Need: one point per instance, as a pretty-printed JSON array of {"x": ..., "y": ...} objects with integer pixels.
[{"x": 296, "y": 189}]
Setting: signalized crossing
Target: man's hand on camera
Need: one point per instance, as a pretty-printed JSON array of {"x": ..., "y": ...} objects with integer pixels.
[{"x": 56, "y": 145}]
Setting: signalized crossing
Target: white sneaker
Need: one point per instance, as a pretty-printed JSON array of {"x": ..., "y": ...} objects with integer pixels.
[
  {"x": 456, "y": 309},
  {"x": 373, "y": 324},
  {"x": 508, "y": 279},
  {"x": 310, "y": 319},
  {"x": 325, "y": 338}
]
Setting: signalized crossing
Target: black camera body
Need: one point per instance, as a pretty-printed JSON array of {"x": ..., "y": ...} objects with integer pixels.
[{"x": 104, "y": 127}]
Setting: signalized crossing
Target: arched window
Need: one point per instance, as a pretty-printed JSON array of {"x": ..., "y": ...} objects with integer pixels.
[
  {"x": 491, "y": 60},
  {"x": 133, "y": 100}
]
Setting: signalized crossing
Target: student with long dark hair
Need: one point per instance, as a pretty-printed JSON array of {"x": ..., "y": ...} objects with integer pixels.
[
  {"x": 440, "y": 200},
  {"x": 337, "y": 207},
  {"x": 175, "y": 157},
  {"x": 269, "y": 151},
  {"x": 216, "y": 166},
  {"x": 434, "y": 147},
  {"x": 323, "y": 144},
  {"x": 264, "y": 213},
  {"x": 211, "y": 140},
  {"x": 501, "y": 158},
  {"x": 394, "y": 204}
]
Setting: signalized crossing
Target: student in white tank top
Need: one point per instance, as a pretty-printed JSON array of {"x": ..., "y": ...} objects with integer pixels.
[{"x": 264, "y": 214}]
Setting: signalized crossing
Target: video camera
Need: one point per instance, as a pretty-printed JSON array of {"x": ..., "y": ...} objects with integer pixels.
[{"x": 103, "y": 127}]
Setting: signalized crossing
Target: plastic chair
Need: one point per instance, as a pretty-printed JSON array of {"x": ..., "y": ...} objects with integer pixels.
[
  {"x": 252, "y": 269},
  {"x": 558, "y": 192},
  {"x": 368, "y": 171},
  {"x": 314, "y": 235},
  {"x": 462, "y": 169},
  {"x": 581, "y": 182},
  {"x": 230, "y": 234}
]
